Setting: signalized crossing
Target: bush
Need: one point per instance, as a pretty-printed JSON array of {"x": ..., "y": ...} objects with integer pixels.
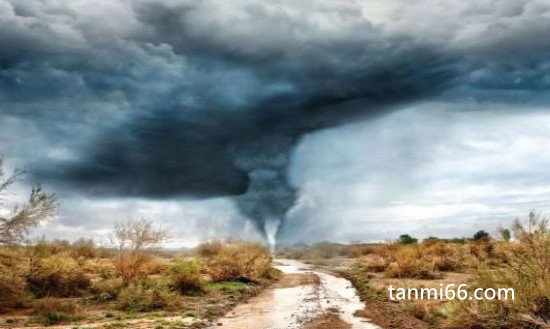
[
  {"x": 209, "y": 249},
  {"x": 527, "y": 271},
  {"x": 147, "y": 296},
  {"x": 482, "y": 250},
  {"x": 186, "y": 276},
  {"x": 12, "y": 284},
  {"x": 107, "y": 289},
  {"x": 407, "y": 239},
  {"x": 447, "y": 256},
  {"x": 240, "y": 262},
  {"x": 134, "y": 241},
  {"x": 422, "y": 310},
  {"x": 12, "y": 288},
  {"x": 84, "y": 248},
  {"x": 58, "y": 275},
  {"x": 373, "y": 263},
  {"x": 357, "y": 250},
  {"x": 408, "y": 262},
  {"x": 52, "y": 311},
  {"x": 43, "y": 248},
  {"x": 481, "y": 235},
  {"x": 102, "y": 268}
]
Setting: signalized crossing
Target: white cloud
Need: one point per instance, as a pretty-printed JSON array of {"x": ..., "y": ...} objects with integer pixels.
[{"x": 428, "y": 169}]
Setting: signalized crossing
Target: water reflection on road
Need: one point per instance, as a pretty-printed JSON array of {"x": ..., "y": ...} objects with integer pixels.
[{"x": 302, "y": 295}]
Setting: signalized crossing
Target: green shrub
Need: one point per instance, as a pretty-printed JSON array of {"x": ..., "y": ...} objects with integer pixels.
[
  {"x": 407, "y": 239},
  {"x": 481, "y": 235},
  {"x": 147, "y": 296},
  {"x": 186, "y": 276}
]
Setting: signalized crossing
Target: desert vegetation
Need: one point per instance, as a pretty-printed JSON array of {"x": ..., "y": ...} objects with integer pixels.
[
  {"x": 518, "y": 257},
  {"x": 54, "y": 282}
]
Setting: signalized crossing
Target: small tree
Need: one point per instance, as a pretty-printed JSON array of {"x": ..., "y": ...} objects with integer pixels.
[
  {"x": 505, "y": 234},
  {"x": 16, "y": 224},
  {"x": 133, "y": 241},
  {"x": 481, "y": 236},
  {"x": 407, "y": 239}
]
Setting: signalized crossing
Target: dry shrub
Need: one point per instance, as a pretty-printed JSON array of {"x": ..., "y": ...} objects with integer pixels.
[
  {"x": 155, "y": 266},
  {"x": 527, "y": 271},
  {"x": 445, "y": 264},
  {"x": 373, "y": 263},
  {"x": 148, "y": 295},
  {"x": 482, "y": 250},
  {"x": 409, "y": 262},
  {"x": 210, "y": 248},
  {"x": 422, "y": 310},
  {"x": 12, "y": 288},
  {"x": 134, "y": 241},
  {"x": 186, "y": 276},
  {"x": 448, "y": 257},
  {"x": 240, "y": 262},
  {"x": 358, "y": 250},
  {"x": 419, "y": 261},
  {"x": 53, "y": 310},
  {"x": 43, "y": 248},
  {"x": 84, "y": 248},
  {"x": 100, "y": 268},
  {"x": 107, "y": 289},
  {"x": 59, "y": 276},
  {"x": 12, "y": 284}
]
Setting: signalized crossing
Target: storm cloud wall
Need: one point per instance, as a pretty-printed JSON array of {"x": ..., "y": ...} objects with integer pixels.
[{"x": 169, "y": 99}]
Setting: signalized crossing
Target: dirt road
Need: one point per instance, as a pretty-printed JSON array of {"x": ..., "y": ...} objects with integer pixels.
[{"x": 304, "y": 298}]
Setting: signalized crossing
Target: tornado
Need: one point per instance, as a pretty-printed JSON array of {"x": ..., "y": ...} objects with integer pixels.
[{"x": 205, "y": 117}]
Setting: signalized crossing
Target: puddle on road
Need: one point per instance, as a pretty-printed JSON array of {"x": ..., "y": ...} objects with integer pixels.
[{"x": 291, "y": 307}]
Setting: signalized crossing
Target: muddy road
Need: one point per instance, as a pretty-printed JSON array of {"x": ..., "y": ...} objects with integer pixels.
[{"x": 303, "y": 298}]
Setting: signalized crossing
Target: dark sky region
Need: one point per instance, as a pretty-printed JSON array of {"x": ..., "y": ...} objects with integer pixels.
[{"x": 320, "y": 120}]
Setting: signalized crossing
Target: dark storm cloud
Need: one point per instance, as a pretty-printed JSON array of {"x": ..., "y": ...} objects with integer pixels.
[{"x": 164, "y": 98}]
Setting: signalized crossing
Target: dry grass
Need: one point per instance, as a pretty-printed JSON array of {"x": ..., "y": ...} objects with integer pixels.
[
  {"x": 522, "y": 264},
  {"x": 423, "y": 310},
  {"x": 428, "y": 260},
  {"x": 410, "y": 262},
  {"x": 526, "y": 270}
]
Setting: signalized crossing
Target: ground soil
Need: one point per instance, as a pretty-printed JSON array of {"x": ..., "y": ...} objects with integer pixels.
[
  {"x": 328, "y": 321},
  {"x": 296, "y": 279},
  {"x": 379, "y": 308},
  {"x": 389, "y": 315}
]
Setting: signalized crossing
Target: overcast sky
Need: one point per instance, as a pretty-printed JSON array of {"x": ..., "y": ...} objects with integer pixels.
[{"x": 327, "y": 119}]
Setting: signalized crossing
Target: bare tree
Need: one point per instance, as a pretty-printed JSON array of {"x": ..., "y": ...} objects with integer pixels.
[
  {"x": 16, "y": 223},
  {"x": 133, "y": 241}
]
